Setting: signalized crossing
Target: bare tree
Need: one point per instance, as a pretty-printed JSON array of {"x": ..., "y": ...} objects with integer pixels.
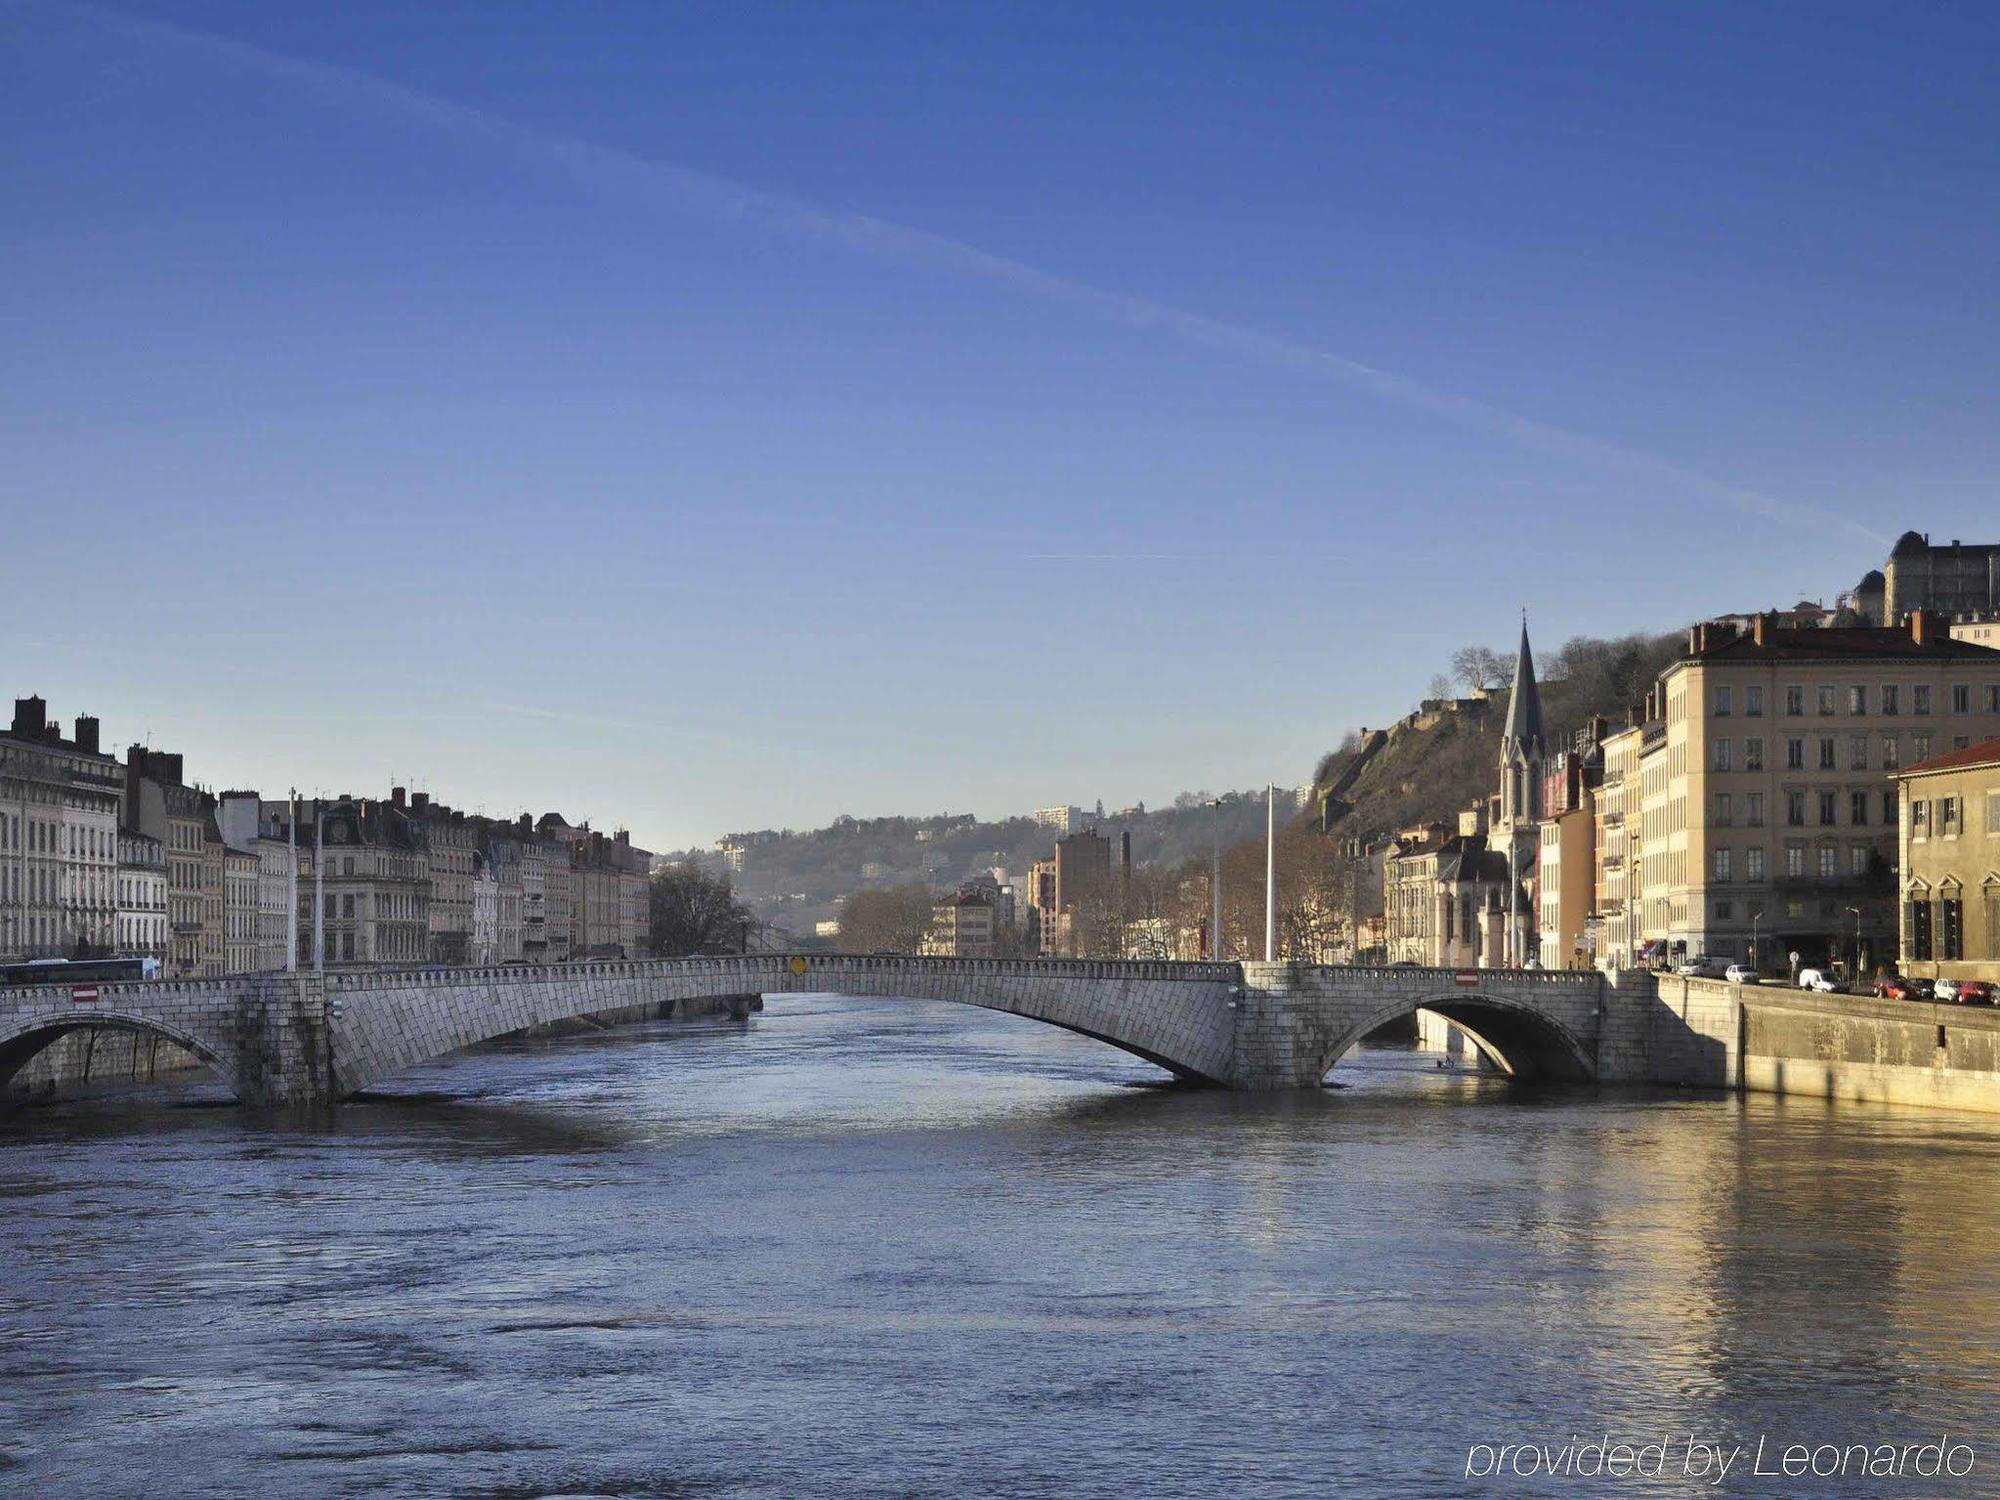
[
  {"x": 1479, "y": 667},
  {"x": 891, "y": 920},
  {"x": 695, "y": 912}
]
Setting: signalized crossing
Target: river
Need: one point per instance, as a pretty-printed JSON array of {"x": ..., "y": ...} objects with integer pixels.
[{"x": 877, "y": 1248}]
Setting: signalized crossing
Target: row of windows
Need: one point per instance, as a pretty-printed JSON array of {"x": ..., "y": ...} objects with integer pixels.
[
  {"x": 1946, "y": 816},
  {"x": 1826, "y": 757},
  {"x": 1824, "y": 862},
  {"x": 1936, "y": 929},
  {"x": 1827, "y": 699}
]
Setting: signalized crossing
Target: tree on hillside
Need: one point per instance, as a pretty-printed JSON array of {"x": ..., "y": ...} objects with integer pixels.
[
  {"x": 1480, "y": 667},
  {"x": 891, "y": 920},
  {"x": 695, "y": 912}
]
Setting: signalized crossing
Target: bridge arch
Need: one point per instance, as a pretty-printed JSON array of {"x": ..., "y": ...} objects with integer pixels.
[
  {"x": 1179, "y": 1017},
  {"x": 22, "y": 1040},
  {"x": 1523, "y": 1040}
]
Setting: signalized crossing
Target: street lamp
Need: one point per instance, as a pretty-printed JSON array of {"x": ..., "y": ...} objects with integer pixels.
[
  {"x": 1855, "y": 912},
  {"x": 1215, "y": 879}
]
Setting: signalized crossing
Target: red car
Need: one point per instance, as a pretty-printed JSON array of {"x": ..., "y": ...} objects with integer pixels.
[
  {"x": 1896, "y": 987},
  {"x": 1975, "y": 992}
]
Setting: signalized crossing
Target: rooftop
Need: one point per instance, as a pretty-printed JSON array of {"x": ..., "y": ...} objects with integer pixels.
[{"x": 1985, "y": 753}]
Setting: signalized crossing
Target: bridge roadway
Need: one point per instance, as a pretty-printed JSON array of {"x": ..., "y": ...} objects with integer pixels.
[{"x": 305, "y": 1038}]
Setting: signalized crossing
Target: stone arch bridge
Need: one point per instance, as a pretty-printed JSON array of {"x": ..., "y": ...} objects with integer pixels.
[{"x": 305, "y": 1038}]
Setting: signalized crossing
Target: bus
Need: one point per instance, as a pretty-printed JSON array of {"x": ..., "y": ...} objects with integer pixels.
[{"x": 79, "y": 971}]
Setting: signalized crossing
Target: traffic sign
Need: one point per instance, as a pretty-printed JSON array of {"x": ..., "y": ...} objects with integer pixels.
[
  {"x": 1467, "y": 979},
  {"x": 83, "y": 994},
  {"x": 800, "y": 965}
]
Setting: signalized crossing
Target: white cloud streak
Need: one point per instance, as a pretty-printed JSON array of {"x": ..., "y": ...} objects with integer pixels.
[{"x": 625, "y": 177}]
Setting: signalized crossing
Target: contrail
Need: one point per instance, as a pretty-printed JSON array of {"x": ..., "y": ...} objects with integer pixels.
[{"x": 626, "y": 177}]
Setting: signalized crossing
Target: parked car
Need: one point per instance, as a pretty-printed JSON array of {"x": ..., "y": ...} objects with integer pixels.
[
  {"x": 1975, "y": 992},
  {"x": 1898, "y": 987},
  {"x": 1945, "y": 991},
  {"x": 1818, "y": 979},
  {"x": 1703, "y": 968},
  {"x": 1741, "y": 974}
]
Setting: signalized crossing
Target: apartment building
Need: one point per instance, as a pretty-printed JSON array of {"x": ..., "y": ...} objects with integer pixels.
[
  {"x": 1767, "y": 816},
  {"x": 239, "y": 908},
  {"x": 1950, "y": 864},
  {"x": 256, "y": 830},
  {"x": 1616, "y": 847},
  {"x": 141, "y": 923},
  {"x": 1444, "y": 895},
  {"x": 59, "y": 801},
  {"x": 374, "y": 883},
  {"x": 962, "y": 926},
  {"x": 452, "y": 839}
]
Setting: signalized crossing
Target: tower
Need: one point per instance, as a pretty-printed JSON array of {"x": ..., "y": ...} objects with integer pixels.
[{"x": 1517, "y": 829}]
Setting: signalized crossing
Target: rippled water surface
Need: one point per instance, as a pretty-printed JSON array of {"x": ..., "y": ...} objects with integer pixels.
[{"x": 875, "y": 1248}]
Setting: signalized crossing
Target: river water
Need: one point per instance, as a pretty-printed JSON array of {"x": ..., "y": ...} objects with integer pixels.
[{"x": 875, "y": 1248}]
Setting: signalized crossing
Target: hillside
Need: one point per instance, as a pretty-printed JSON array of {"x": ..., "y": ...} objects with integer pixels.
[{"x": 1437, "y": 759}]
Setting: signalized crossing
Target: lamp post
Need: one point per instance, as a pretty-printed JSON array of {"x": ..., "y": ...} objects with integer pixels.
[
  {"x": 1271, "y": 873},
  {"x": 1756, "y": 916},
  {"x": 1215, "y": 879},
  {"x": 1855, "y": 977}
]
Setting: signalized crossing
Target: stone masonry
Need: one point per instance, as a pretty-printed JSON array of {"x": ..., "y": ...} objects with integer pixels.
[{"x": 307, "y": 1038}]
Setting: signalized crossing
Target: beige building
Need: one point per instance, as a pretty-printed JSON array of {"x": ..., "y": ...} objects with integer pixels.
[
  {"x": 239, "y": 909},
  {"x": 962, "y": 926},
  {"x": 451, "y": 839},
  {"x": 1950, "y": 864},
  {"x": 373, "y": 881},
  {"x": 59, "y": 806},
  {"x": 1616, "y": 847},
  {"x": 1765, "y": 812},
  {"x": 1443, "y": 895}
]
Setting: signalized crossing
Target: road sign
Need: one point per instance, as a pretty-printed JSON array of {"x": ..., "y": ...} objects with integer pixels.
[
  {"x": 83, "y": 994},
  {"x": 799, "y": 965},
  {"x": 1467, "y": 979}
]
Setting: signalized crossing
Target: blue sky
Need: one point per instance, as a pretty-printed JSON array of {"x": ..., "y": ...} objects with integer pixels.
[{"x": 717, "y": 416}]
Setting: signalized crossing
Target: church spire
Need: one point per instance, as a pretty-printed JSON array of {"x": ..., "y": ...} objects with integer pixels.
[{"x": 1524, "y": 706}]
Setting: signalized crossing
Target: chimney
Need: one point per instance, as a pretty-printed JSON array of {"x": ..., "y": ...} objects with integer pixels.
[
  {"x": 31, "y": 716},
  {"x": 1125, "y": 853},
  {"x": 86, "y": 734},
  {"x": 398, "y": 795},
  {"x": 1923, "y": 626},
  {"x": 1697, "y": 639},
  {"x": 1761, "y": 628},
  {"x": 165, "y": 768},
  {"x": 526, "y": 825},
  {"x": 420, "y": 800}
]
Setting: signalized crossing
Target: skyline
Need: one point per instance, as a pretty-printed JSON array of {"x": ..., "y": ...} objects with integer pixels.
[{"x": 330, "y": 319}]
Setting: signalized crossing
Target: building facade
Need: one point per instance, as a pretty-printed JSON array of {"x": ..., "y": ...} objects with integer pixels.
[
  {"x": 1950, "y": 579},
  {"x": 59, "y": 804},
  {"x": 962, "y": 926},
  {"x": 1949, "y": 924},
  {"x": 1769, "y": 818},
  {"x": 142, "y": 897}
]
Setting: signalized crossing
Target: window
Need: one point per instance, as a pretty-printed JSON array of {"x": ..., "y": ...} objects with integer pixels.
[
  {"x": 1828, "y": 803},
  {"x": 1753, "y": 701},
  {"x": 1948, "y": 816},
  {"x": 1753, "y": 755},
  {"x": 1826, "y": 761},
  {"x": 1753, "y": 809},
  {"x": 1795, "y": 754},
  {"x": 1857, "y": 700},
  {"x": 1891, "y": 754},
  {"x": 1753, "y": 864},
  {"x": 1795, "y": 809},
  {"x": 1951, "y": 927},
  {"x": 1722, "y": 809},
  {"x": 1829, "y": 862},
  {"x": 1920, "y": 698},
  {"x": 1721, "y": 864},
  {"x": 1795, "y": 700},
  {"x": 1719, "y": 756},
  {"x": 1961, "y": 698},
  {"x": 1722, "y": 702},
  {"x": 1857, "y": 808},
  {"x": 1917, "y": 923},
  {"x": 1857, "y": 751},
  {"x": 1826, "y": 700},
  {"x": 1993, "y": 697},
  {"x": 1857, "y": 860},
  {"x": 1920, "y": 819},
  {"x": 1892, "y": 696},
  {"x": 1993, "y": 812},
  {"x": 1795, "y": 860},
  {"x": 1725, "y": 911},
  {"x": 1920, "y": 746}
]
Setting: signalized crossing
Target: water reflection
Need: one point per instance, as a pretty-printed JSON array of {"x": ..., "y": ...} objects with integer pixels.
[{"x": 882, "y": 1248}]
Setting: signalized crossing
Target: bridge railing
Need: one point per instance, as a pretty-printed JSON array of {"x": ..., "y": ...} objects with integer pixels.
[{"x": 754, "y": 965}]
